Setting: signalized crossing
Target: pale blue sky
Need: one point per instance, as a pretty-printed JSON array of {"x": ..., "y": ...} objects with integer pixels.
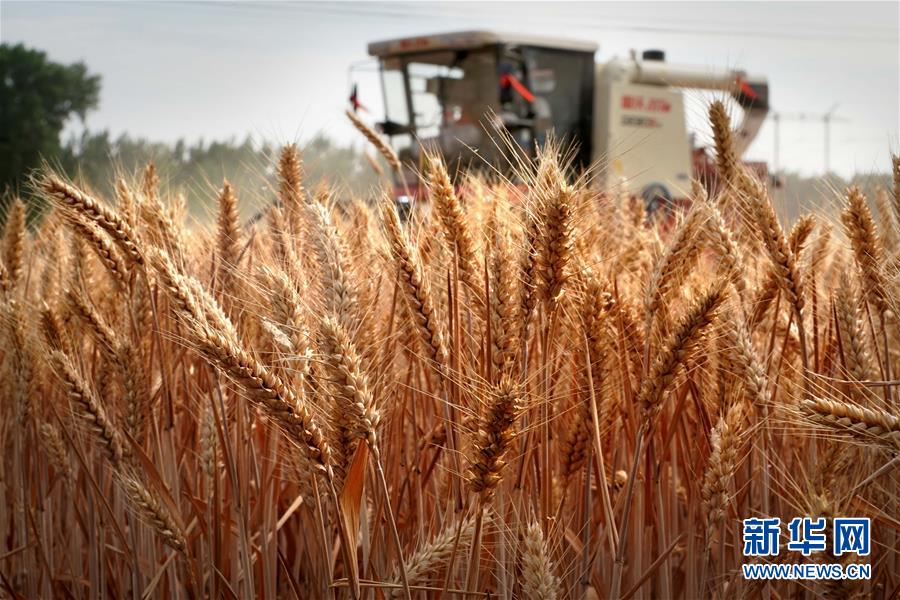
[{"x": 279, "y": 71}]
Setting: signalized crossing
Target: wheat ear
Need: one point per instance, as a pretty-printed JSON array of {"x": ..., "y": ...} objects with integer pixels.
[
  {"x": 538, "y": 580},
  {"x": 721, "y": 240},
  {"x": 867, "y": 248},
  {"x": 100, "y": 243},
  {"x": 217, "y": 340},
  {"x": 290, "y": 186},
  {"x": 376, "y": 140},
  {"x": 889, "y": 227},
  {"x": 14, "y": 234},
  {"x": 228, "y": 234},
  {"x": 726, "y": 159},
  {"x": 453, "y": 219},
  {"x": 869, "y": 425},
  {"x": 150, "y": 181},
  {"x": 740, "y": 359},
  {"x": 354, "y": 396},
  {"x": 5, "y": 280},
  {"x": 56, "y": 452},
  {"x": 123, "y": 355},
  {"x": 126, "y": 202},
  {"x": 53, "y": 330},
  {"x": 698, "y": 317},
  {"x": 415, "y": 288},
  {"x": 720, "y": 467},
  {"x": 22, "y": 363},
  {"x": 675, "y": 264},
  {"x": 435, "y": 552},
  {"x": 851, "y": 331},
  {"x": 73, "y": 200},
  {"x": 343, "y": 369},
  {"x": 782, "y": 257},
  {"x": 87, "y": 407},
  {"x": 596, "y": 306},
  {"x": 554, "y": 244},
  {"x": 154, "y": 512},
  {"x": 496, "y": 434},
  {"x": 338, "y": 289},
  {"x": 767, "y": 291},
  {"x": 504, "y": 308}
]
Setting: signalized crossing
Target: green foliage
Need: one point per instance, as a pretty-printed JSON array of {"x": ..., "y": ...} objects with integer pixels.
[{"x": 38, "y": 97}]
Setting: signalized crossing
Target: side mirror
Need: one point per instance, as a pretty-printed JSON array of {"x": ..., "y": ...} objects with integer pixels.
[{"x": 392, "y": 128}]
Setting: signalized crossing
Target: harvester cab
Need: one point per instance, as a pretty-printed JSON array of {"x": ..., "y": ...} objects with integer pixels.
[
  {"x": 442, "y": 91},
  {"x": 448, "y": 91}
]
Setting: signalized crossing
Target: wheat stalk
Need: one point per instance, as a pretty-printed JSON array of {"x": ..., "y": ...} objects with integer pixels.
[{"x": 895, "y": 171}]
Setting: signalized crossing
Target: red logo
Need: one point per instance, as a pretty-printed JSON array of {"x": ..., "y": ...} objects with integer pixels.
[{"x": 652, "y": 105}]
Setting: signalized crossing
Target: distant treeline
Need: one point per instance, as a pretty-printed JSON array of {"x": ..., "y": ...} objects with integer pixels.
[
  {"x": 798, "y": 195},
  {"x": 197, "y": 169}
]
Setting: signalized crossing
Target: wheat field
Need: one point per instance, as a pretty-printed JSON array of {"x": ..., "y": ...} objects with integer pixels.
[{"x": 523, "y": 391}]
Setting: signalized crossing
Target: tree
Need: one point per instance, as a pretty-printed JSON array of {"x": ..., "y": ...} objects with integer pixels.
[{"x": 38, "y": 97}]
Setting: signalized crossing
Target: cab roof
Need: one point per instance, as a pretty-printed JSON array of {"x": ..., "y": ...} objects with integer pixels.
[{"x": 459, "y": 40}]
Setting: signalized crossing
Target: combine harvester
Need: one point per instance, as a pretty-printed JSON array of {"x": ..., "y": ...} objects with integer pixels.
[{"x": 445, "y": 90}]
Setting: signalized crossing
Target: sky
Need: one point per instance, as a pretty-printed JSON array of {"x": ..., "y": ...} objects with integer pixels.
[{"x": 280, "y": 71}]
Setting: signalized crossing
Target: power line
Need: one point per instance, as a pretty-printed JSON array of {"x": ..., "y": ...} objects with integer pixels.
[
  {"x": 797, "y": 32},
  {"x": 826, "y": 118},
  {"x": 707, "y": 28}
]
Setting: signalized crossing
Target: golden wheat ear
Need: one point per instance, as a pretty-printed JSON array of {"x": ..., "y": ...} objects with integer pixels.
[
  {"x": 726, "y": 159},
  {"x": 13, "y": 251},
  {"x": 699, "y": 317},
  {"x": 75, "y": 202},
  {"x": 228, "y": 233},
  {"x": 539, "y": 582},
  {"x": 431, "y": 329},
  {"x": 867, "y": 247},
  {"x": 496, "y": 435},
  {"x": 720, "y": 467},
  {"x": 866, "y": 425},
  {"x": 154, "y": 513},
  {"x": 376, "y": 140},
  {"x": 87, "y": 407},
  {"x": 555, "y": 211},
  {"x": 454, "y": 223}
]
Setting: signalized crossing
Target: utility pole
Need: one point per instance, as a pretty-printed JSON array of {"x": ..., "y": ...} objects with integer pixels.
[
  {"x": 827, "y": 119},
  {"x": 776, "y": 120}
]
